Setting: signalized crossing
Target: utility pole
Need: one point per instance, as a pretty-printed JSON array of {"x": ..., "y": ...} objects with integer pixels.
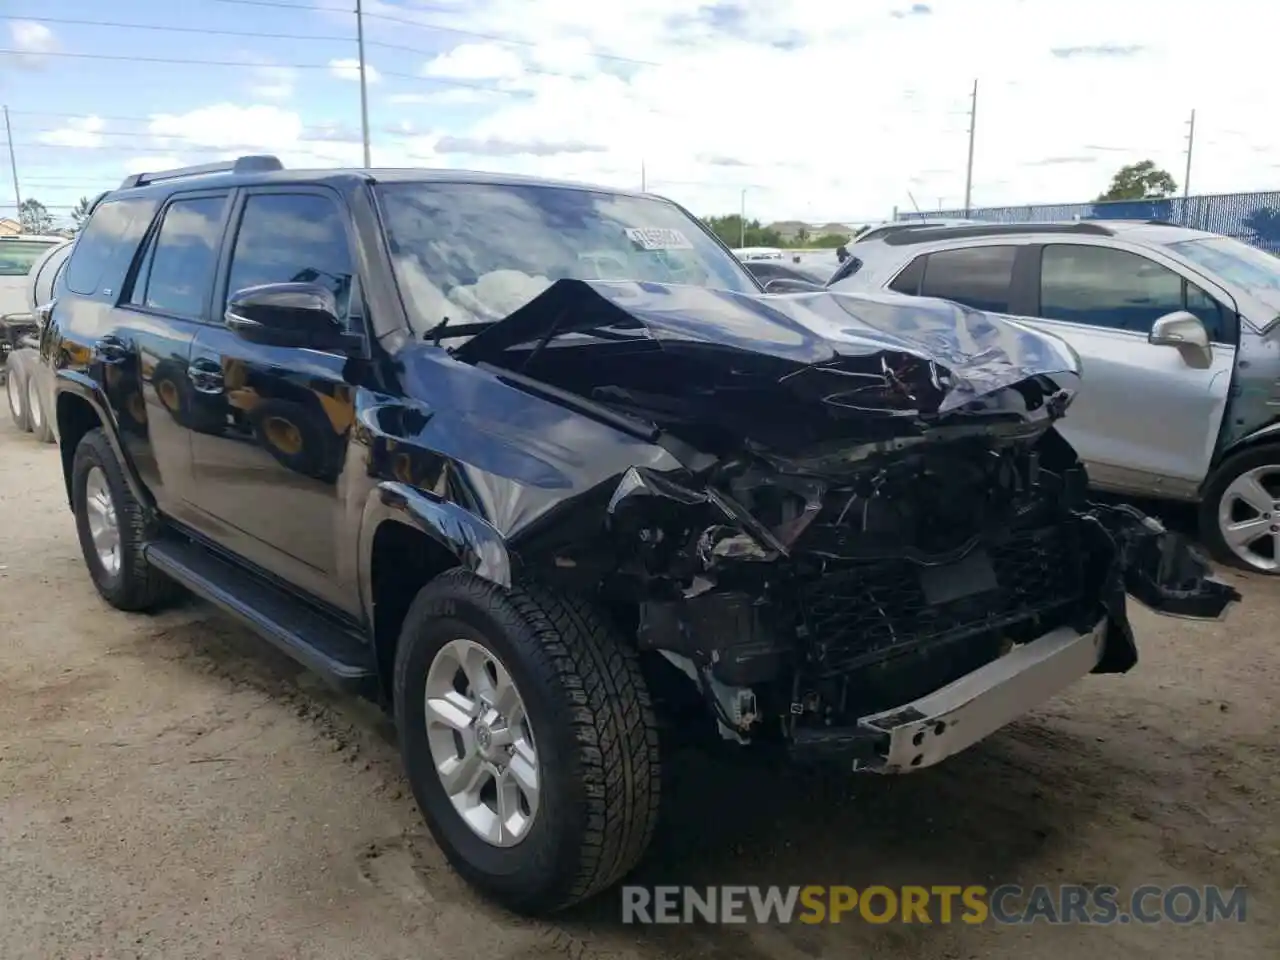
[
  {"x": 973, "y": 126},
  {"x": 364, "y": 88},
  {"x": 1191, "y": 142},
  {"x": 742, "y": 220},
  {"x": 643, "y": 182},
  {"x": 13, "y": 164}
]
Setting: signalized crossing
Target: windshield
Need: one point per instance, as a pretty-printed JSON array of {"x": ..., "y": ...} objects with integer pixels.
[
  {"x": 1233, "y": 261},
  {"x": 17, "y": 257},
  {"x": 477, "y": 252}
]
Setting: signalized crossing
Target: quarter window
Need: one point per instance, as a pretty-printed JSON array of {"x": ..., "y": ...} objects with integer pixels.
[
  {"x": 107, "y": 243},
  {"x": 978, "y": 277},
  {"x": 293, "y": 237},
  {"x": 179, "y": 274}
]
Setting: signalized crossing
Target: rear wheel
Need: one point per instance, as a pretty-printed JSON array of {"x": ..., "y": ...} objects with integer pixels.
[
  {"x": 36, "y": 416},
  {"x": 1240, "y": 512},
  {"x": 16, "y": 390},
  {"x": 528, "y": 739},
  {"x": 114, "y": 529}
]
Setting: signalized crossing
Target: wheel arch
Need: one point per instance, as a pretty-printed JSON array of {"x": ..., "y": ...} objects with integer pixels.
[
  {"x": 81, "y": 406},
  {"x": 408, "y": 538},
  {"x": 1264, "y": 435}
]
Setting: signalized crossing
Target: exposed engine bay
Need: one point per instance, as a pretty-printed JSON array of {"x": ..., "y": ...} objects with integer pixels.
[{"x": 864, "y": 520}]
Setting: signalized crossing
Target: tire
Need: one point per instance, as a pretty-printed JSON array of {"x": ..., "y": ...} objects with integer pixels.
[
  {"x": 37, "y": 415},
  {"x": 1262, "y": 463},
  {"x": 598, "y": 772},
  {"x": 16, "y": 390},
  {"x": 131, "y": 583}
]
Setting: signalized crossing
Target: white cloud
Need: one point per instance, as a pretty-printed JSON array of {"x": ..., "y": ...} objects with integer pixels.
[
  {"x": 348, "y": 68},
  {"x": 31, "y": 41},
  {"x": 80, "y": 133},
  {"x": 820, "y": 111},
  {"x": 843, "y": 110},
  {"x": 476, "y": 61},
  {"x": 271, "y": 82}
]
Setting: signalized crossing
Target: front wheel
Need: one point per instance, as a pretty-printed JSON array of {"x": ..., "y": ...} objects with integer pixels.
[
  {"x": 1240, "y": 512},
  {"x": 528, "y": 739}
]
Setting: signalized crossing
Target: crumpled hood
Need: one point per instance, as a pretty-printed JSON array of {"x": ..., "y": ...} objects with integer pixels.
[{"x": 820, "y": 366}]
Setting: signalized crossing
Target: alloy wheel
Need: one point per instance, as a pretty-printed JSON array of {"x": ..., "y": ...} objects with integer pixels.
[{"x": 481, "y": 743}]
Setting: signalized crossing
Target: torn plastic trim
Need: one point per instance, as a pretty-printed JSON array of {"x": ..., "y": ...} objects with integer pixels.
[{"x": 1161, "y": 568}]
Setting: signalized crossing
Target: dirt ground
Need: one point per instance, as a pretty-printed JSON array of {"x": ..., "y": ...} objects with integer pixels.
[{"x": 171, "y": 788}]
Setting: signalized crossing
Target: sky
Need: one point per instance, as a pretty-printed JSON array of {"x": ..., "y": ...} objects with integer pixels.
[{"x": 815, "y": 110}]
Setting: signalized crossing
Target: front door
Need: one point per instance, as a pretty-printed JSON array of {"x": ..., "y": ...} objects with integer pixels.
[
  {"x": 268, "y": 482},
  {"x": 1146, "y": 420}
]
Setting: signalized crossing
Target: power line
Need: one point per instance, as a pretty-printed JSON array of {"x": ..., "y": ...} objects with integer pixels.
[
  {"x": 160, "y": 28},
  {"x": 254, "y": 34},
  {"x": 247, "y": 64},
  {"x": 387, "y": 18}
]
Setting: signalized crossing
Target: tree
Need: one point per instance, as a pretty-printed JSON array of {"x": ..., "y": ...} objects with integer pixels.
[
  {"x": 802, "y": 237},
  {"x": 34, "y": 217},
  {"x": 730, "y": 231},
  {"x": 80, "y": 213},
  {"x": 1139, "y": 181}
]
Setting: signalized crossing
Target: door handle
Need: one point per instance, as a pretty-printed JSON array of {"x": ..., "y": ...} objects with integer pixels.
[
  {"x": 205, "y": 375},
  {"x": 111, "y": 350}
]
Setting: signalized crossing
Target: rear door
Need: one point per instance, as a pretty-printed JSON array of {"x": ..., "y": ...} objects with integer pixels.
[
  {"x": 266, "y": 482},
  {"x": 166, "y": 299}
]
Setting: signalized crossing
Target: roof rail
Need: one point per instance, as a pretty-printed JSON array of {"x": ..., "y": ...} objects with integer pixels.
[
  {"x": 258, "y": 164},
  {"x": 925, "y": 234}
]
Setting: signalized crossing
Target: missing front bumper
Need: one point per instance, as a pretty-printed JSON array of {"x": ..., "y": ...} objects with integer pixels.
[{"x": 927, "y": 730}]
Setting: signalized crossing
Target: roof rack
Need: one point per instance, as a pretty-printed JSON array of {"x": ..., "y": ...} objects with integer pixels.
[
  {"x": 925, "y": 234},
  {"x": 256, "y": 164}
]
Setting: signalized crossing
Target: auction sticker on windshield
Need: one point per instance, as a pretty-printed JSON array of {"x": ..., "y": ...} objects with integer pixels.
[{"x": 658, "y": 238}]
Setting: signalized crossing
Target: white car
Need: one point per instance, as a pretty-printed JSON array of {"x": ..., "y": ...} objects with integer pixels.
[{"x": 39, "y": 259}]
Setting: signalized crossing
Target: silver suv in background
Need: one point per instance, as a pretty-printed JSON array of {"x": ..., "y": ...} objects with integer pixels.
[{"x": 1178, "y": 332}]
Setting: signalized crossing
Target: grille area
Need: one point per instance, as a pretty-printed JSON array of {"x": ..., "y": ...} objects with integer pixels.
[{"x": 861, "y": 614}]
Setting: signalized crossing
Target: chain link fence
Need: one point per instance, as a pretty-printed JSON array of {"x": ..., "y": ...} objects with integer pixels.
[{"x": 1251, "y": 217}]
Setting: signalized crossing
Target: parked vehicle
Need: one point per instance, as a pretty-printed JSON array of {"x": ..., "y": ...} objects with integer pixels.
[
  {"x": 23, "y": 383},
  {"x": 1178, "y": 332},
  {"x": 805, "y": 276},
  {"x": 376, "y": 416}
]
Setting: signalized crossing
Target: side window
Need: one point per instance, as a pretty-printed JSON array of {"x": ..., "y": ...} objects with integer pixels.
[
  {"x": 105, "y": 247},
  {"x": 908, "y": 281},
  {"x": 293, "y": 237},
  {"x": 1106, "y": 288},
  {"x": 1213, "y": 315},
  {"x": 178, "y": 275},
  {"x": 977, "y": 277}
]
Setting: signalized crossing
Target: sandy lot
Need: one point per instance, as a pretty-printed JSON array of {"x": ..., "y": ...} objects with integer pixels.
[{"x": 170, "y": 787}]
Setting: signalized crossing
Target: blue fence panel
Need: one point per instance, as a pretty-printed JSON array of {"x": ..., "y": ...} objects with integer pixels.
[{"x": 1251, "y": 217}]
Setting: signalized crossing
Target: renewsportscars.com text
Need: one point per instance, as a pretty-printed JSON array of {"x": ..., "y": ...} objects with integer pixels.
[{"x": 1005, "y": 904}]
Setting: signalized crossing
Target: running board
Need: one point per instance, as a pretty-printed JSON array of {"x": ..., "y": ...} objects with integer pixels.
[{"x": 338, "y": 655}]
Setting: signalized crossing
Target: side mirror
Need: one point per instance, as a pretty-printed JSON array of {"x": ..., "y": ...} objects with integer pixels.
[
  {"x": 1185, "y": 331},
  {"x": 300, "y": 315},
  {"x": 792, "y": 285},
  {"x": 842, "y": 253}
]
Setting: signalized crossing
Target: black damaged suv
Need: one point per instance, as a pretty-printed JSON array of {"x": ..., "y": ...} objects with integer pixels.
[{"x": 545, "y": 471}]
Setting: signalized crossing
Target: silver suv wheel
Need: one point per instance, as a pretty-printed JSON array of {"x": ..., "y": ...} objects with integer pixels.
[
  {"x": 481, "y": 743},
  {"x": 1249, "y": 517}
]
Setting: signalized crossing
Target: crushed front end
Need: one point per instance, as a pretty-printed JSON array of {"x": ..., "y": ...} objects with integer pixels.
[
  {"x": 895, "y": 617},
  {"x": 880, "y": 550}
]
